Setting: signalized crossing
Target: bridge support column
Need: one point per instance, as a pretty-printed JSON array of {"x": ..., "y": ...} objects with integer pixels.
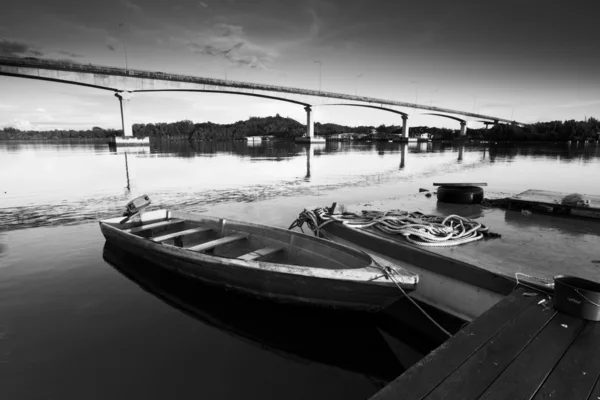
[
  {"x": 310, "y": 125},
  {"x": 124, "y": 98},
  {"x": 463, "y": 129},
  {"x": 127, "y": 139},
  {"x": 309, "y": 137},
  {"x": 405, "y": 127}
]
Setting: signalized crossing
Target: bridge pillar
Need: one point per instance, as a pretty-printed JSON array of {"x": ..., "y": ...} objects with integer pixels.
[
  {"x": 310, "y": 125},
  {"x": 124, "y": 98},
  {"x": 309, "y": 137},
  {"x": 463, "y": 129},
  {"x": 405, "y": 126}
]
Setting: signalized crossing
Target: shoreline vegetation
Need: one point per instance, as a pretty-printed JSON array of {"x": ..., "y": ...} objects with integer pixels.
[{"x": 288, "y": 128}]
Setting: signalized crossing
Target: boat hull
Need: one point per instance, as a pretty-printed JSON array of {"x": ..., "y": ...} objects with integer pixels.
[
  {"x": 459, "y": 289},
  {"x": 273, "y": 284}
]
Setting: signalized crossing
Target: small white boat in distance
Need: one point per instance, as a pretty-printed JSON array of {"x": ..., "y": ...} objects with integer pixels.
[{"x": 261, "y": 261}]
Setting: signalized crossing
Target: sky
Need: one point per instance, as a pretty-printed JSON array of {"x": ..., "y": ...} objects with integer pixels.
[{"x": 526, "y": 60}]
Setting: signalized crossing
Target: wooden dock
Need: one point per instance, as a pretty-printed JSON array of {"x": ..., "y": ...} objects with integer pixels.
[
  {"x": 519, "y": 349},
  {"x": 546, "y": 202}
]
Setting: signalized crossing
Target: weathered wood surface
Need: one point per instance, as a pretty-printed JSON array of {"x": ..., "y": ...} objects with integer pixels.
[
  {"x": 180, "y": 233},
  {"x": 218, "y": 242},
  {"x": 519, "y": 349},
  {"x": 554, "y": 198},
  {"x": 545, "y": 202},
  {"x": 146, "y": 227},
  {"x": 460, "y": 184},
  {"x": 265, "y": 251}
]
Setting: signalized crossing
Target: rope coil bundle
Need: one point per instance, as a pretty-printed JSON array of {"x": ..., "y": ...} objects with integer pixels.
[{"x": 419, "y": 229}]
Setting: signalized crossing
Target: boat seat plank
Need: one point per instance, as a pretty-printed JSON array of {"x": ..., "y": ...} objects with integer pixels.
[
  {"x": 428, "y": 373},
  {"x": 579, "y": 369},
  {"x": 218, "y": 242},
  {"x": 153, "y": 225},
  {"x": 473, "y": 377},
  {"x": 460, "y": 184},
  {"x": 529, "y": 370},
  {"x": 180, "y": 233},
  {"x": 265, "y": 251}
]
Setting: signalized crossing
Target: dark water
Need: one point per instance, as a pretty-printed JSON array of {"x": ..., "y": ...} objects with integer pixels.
[{"x": 79, "y": 319}]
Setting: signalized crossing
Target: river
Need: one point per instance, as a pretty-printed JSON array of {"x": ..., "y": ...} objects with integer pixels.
[{"x": 78, "y": 320}]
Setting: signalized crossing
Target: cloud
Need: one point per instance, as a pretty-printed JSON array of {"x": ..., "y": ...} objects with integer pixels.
[
  {"x": 231, "y": 43},
  {"x": 131, "y": 5},
  {"x": 69, "y": 54},
  {"x": 203, "y": 4},
  {"x": 15, "y": 48},
  {"x": 21, "y": 124}
]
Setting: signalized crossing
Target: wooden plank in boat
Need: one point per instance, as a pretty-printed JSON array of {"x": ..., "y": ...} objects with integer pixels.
[
  {"x": 152, "y": 226},
  {"x": 218, "y": 242},
  {"x": 265, "y": 251},
  {"x": 428, "y": 373},
  {"x": 579, "y": 369},
  {"x": 181, "y": 233},
  {"x": 456, "y": 184}
]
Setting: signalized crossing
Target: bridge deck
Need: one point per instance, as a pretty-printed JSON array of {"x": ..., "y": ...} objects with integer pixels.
[{"x": 518, "y": 349}]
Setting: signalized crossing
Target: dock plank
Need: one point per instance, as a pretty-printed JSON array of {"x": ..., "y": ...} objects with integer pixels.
[
  {"x": 553, "y": 198},
  {"x": 596, "y": 393},
  {"x": 473, "y": 377},
  {"x": 426, "y": 375},
  {"x": 218, "y": 242},
  {"x": 578, "y": 371},
  {"x": 546, "y": 202},
  {"x": 522, "y": 379}
]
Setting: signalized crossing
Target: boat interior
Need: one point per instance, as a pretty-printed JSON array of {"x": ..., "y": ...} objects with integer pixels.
[{"x": 248, "y": 242}]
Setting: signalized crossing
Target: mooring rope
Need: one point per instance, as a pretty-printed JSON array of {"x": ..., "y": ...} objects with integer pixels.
[
  {"x": 389, "y": 273},
  {"x": 417, "y": 228}
]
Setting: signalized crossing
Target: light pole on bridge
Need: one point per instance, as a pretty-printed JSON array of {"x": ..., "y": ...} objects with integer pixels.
[
  {"x": 320, "y": 63},
  {"x": 416, "y": 91},
  {"x": 122, "y": 24},
  {"x": 356, "y": 88},
  {"x": 431, "y": 97}
]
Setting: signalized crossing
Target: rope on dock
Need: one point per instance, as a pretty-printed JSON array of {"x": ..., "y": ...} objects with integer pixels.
[{"x": 419, "y": 229}]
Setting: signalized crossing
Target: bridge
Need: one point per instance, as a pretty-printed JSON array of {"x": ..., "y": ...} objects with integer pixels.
[{"x": 126, "y": 82}]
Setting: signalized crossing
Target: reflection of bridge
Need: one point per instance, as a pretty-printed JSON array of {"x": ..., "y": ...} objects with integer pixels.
[{"x": 126, "y": 82}]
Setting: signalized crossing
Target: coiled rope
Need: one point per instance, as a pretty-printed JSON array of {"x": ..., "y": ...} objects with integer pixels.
[{"x": 417, "y": 228}]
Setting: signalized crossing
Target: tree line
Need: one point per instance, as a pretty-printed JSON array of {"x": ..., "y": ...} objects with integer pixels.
[{"x": 283, "y": 127}]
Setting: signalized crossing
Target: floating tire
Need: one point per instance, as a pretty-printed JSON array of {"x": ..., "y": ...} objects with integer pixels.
[{"x": 460, "y": 194}]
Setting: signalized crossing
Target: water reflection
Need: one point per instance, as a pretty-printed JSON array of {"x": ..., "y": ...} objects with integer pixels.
[
  {"x": 403, "y": 153},
  {"x": 571, "y": 226},
  {"x": 347, "y": 341},
  {"x": 56, "y": 185}
]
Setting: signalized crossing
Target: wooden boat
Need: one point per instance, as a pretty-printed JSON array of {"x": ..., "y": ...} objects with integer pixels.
[
  {"x": 458, "y": 288},
  {"x": 261, "y": 261}
]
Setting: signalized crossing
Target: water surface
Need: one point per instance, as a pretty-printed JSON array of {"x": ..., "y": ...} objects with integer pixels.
[{"x": 82, "y": 320}]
